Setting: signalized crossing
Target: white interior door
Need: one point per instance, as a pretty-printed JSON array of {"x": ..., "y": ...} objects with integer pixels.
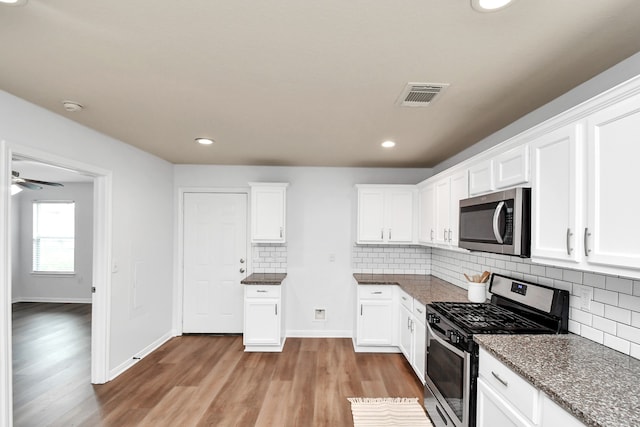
[{"x": 215, "y": 254}]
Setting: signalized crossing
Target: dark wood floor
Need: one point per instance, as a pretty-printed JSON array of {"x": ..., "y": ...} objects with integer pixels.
[{"x": 205, "y": 380}]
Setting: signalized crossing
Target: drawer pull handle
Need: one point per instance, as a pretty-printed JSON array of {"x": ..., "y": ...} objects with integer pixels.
[
  {"x": 404, "y": 298},
  {"x": 418, "y": 310},
  {"x": 503, "y": 382},
  {"x": 262, "y": 291},
  {"x": 376, "y": 292}
]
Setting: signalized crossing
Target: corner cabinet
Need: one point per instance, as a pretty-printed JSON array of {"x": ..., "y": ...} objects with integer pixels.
[
  {"x": 268, "y": 212},
  {"x": 263, "y": 318},
  {"x": 385, "y": 214}
]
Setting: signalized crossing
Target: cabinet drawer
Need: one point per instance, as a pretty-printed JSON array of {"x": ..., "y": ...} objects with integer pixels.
[
  {"x": 262, "y": 291},
  {"x": 375, "y": 292},
  {"x": 420, "y": 311},
  {"x": 510, "y": 385},
  {"x": 406, "y": 300}
]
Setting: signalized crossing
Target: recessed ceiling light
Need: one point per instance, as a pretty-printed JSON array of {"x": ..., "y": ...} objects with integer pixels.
[
  {"x": 13, "y": 2},
  {"x": 489, "y": 5},
  {"x": 388, "y": 144},
  {"x": 204, "y": 141},
  {"x": 71, "y": 106}
]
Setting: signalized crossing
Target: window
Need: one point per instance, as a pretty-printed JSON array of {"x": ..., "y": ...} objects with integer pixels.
[{"x": 53, "y": 237}]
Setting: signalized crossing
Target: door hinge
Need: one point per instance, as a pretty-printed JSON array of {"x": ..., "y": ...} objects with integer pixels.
[{"x": 93, "y": 289}]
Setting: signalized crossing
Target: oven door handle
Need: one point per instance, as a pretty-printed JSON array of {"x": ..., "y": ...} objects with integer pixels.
[
  {"x": 448, "y": 345},
  {"x": 496, "y": 220}
]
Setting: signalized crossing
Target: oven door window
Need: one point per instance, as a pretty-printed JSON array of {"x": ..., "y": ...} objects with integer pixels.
[{"x": 446, "y": 369}]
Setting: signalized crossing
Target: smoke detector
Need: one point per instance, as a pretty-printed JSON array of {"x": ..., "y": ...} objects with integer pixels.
[
  {"x": 72, "y": 106},
  {"x": 420, "y": 94}
]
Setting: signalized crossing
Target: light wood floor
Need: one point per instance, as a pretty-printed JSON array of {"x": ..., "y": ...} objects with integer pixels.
[{"x": 203, "y": 380}]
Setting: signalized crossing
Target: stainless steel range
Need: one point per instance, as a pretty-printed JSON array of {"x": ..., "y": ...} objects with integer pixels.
[{"x": 516, "y": 307}]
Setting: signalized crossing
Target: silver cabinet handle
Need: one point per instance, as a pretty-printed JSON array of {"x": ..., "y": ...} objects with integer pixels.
[
  {"x": 276, "y": 309},
  {"x": 408, "y": 323},
  {"x": 376, "y": 292},
  {"x": 586, "y": 242},
  {"x": 261, "y": 291},
  {"x": 418, "y": 310},
  {"x": 503, "y": 382},
  {"x": 450, "y": 233},
  {"x": 404, "y": 298},
  {"x": 432, "y": 234},
  {"x": 412, "y": 326},
  {"x": 360, "y": 309},
  {"x": 382, "y": 233},
  {"x": 389, "y": 234},
  {"x": 242, "y": 270},
  {"x": 569, "y": 248},
  {"x": 496, "y": 218},
  {"x": 444, "y": 234},
  {"x": 281, "y": 231}
]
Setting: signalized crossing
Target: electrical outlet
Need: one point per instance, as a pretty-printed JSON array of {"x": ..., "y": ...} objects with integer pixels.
[
  {"x": 320, "y": 314},
  {"x": 586, "y": 296}
]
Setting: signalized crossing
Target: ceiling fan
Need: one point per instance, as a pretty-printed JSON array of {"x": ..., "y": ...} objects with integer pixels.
[{"x": 31, "y": 184}]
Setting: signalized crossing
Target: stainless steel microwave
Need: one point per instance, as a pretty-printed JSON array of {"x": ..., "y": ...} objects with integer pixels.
[{"x": 498, "y": 222}]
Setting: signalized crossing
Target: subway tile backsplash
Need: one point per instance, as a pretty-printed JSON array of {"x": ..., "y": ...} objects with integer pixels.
[
  {"x": 384, "y": 259},
  {"x": 269, "y": 258},
  {"x": 611, "y": 318}
]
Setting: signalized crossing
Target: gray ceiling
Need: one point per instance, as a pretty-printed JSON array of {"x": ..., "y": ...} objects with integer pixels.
[{"x": 290, "y": 82}]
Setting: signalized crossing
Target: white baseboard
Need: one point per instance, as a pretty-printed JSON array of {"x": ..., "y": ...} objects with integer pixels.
[
  {"x": 62, "y": 300},
  {"x": 315, "y": 333},
  {"x": 139, "y": 356}
]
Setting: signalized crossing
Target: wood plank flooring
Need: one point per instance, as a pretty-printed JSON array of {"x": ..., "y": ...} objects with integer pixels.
[{"x": 203, "y": 380}]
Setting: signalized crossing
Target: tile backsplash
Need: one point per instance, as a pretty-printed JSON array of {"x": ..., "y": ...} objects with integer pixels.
[
  {"x": 611, "y": 318},
  {"x": 385, "y": 259},
  {"x": 269, "y": 257}
]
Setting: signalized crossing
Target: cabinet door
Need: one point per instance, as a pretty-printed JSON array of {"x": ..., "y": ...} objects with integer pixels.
[
  {"x": 612, "y": 235},
  {"x": 443, "y": 209},
  {"x": 399, "y": 220},
  {"x": 494, "y": 411},
  {"x": 262, "y": 321},
  {"x": 556, "y": 195},
  {"x": 426, "y": 214},
  {"x": 375, "y": 323},
  {"x": 371, "y": 215},
  {"x": 406, "y": 326},
  {"x": 481, "y": 178},
  {"x": 553, "y": 415},
  {"x": 459, "y": 191},
  {"x": 512, "y": 167},
  {"x": 268, "y": 210}
]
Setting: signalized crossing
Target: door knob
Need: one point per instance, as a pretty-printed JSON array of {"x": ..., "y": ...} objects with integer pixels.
[
  {"x": 241, "y": 260},
  {"x": 242, "y": 270}
]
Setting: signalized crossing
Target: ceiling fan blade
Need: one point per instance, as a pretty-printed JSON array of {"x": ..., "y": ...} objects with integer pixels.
[
  {"x": 35, "y": 181},
  {"x": 22, "y": 183}
]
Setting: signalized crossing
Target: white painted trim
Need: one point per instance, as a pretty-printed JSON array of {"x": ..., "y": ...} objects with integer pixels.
[
  {"x": 53, "y": 300},
  {"x": 6, "y": 380},
  {"x": 141, "y": 355},
  {"x": 102, "y": 232},
  {"x": 319, "y": 333},
  {"x": 178, "y": 289}
]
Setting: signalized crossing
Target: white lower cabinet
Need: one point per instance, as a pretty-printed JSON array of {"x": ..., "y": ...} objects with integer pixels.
[
  {"x": 505, "y": 399},
  {"x": 263, "y": 319},
  {"x": 412, "y": 333},
  {"x": 420, "y": 337},
  {"x": 376, "y": 316}
]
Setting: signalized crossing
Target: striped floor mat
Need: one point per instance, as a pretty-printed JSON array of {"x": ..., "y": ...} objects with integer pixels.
[{"x": 383, "y": 412}]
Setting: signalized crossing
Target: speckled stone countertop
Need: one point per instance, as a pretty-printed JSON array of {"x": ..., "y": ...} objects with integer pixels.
[
  {"x": 264, "y": 279},
  {"x": 425, "y": 289},
  {"x": 598, "y": 385}
]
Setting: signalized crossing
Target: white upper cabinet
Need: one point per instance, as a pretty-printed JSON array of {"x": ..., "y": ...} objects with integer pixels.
[
  {"x": 584, "y": 211},
  {"x": 268, "y": 212},
  {"x": 612, "y": 235},
  {"x": 555, "y": 200},
  {"x": 385, "y": 213},
  {"x": 511, "y": 168},
  {"x": 481, "y": 178},
  {"x": 448, "y": 193},
  {"x": 427, "y": 214}
]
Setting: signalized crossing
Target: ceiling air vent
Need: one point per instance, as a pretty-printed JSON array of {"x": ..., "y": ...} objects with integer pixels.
[{"x": 420, "y": 94}]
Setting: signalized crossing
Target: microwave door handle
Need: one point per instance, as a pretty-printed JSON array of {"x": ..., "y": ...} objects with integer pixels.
[{"x": 496, "y": 220}]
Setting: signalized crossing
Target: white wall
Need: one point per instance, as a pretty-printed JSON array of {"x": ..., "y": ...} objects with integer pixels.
[
  {"x": 142, "y": 220},
  {"x": 321, "y": 213},
  {"x": 54, "y": 288}
]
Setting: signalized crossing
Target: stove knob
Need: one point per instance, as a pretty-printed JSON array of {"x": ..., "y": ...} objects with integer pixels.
[
  {"x": 454, "y": 337},
  {"x": 432, "y": 318}
]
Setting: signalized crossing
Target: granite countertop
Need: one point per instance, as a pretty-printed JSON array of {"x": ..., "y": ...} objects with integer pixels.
[
  {"x": 598, "y": 385},
  {"x": 264, "y": 279},
  {"x": 424, "y": 288}
]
